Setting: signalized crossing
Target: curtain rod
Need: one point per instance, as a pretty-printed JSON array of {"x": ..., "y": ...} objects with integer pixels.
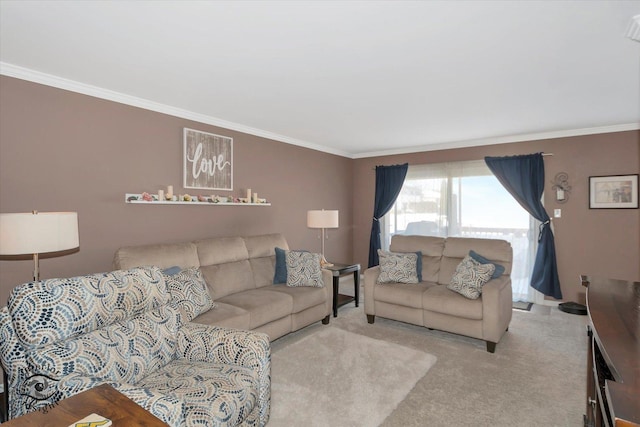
[{"x": 543, "y": 155}]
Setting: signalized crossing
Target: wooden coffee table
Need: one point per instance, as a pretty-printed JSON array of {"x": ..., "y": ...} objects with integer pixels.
[{"x": 103, "y": 400}]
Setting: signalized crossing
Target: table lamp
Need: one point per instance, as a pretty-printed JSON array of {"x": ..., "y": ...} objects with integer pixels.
[
  {"x": 37, "y": 233},
  {"x": 322, "y": 219}
]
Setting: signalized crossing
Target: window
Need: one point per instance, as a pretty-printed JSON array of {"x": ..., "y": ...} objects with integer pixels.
[{"x": 464, "y": 199}]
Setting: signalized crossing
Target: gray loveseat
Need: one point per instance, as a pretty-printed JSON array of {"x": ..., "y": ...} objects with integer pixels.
[
  {"x": 429, "y": 303},
  {"x": 239, "y": 273}
]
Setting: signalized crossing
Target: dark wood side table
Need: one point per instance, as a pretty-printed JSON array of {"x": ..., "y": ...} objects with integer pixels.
[
  {"x": 103, "y": 400},
  {"x": 338, "y": 270}
]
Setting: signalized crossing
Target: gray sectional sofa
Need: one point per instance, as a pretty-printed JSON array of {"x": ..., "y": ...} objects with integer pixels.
[
  {"x": 429, "y": 303},
  {"x": 239, "y": 273}
]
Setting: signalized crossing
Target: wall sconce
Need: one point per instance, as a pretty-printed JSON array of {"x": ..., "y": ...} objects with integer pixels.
[{"x": 561, "y": 186}]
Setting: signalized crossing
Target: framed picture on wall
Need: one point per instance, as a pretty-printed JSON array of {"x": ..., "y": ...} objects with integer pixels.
[
  {"x": 207, "y": 161},
  {"x": 613, "y": 192}
]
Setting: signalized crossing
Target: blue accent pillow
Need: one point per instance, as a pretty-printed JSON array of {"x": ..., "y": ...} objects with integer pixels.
[
  {"x": 172, "y": 271},
  {"x": 281, "y": 267},
  {"x": 482, "y": 260},
  {"x": 419, "y": 266}
]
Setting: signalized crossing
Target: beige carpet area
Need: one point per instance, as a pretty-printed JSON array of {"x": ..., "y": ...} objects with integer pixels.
[
  {"x": 333, "y": 377},
  {"x": 536, "y": 377}
]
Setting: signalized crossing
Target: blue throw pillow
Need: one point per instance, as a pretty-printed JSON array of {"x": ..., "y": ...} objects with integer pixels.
[
  {"x": 482, "y": 260},
  {"x": 281, "y": 267},
  {"x": 172, "y": 271}
]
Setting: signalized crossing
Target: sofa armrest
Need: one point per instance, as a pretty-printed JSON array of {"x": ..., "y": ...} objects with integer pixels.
[
  {"x": 496, "y": 308},
  {"x": 370, "y": 279},
  {"x": 250, "y": 349}
]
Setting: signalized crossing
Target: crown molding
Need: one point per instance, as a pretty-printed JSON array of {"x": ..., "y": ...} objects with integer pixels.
[
  {"x": 22, "y": 73},
  {"x": 502, "y": 140}
]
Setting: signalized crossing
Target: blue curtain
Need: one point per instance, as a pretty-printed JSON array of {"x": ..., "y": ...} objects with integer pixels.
[
  {"x": 523, "y": 177},
  {"x": 389, "y": 180}
]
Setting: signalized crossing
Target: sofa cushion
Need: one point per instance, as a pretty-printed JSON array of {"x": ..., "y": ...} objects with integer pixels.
[
  {"x": 401, "y": 293},
  {"x": 456, "y": 248},
  {"x": 189, "y": 292},
  {"x": 164, "y": 256},
  {"x": 398, "y": 267},
  {"x": 225, "y": 315},
  {"x": 263, "y": 306},
  {"x": 303, "y": 296},
  {"x": 213, "y": 394},
  {"x": 263, "y": 245},
  {"x": 431, "y": 248},
  {"x": 228, "y": 278},
  {"x": 470, "y": 277},
  {"x": 499, "y": 269},
  {"x": 439, "y": 299},
  {"x": 221, "y": 250},
  {"x": 303, "y": 269}
]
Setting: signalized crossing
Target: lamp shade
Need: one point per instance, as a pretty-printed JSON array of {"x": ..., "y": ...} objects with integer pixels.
[
  {"x": 37, "y": 233},
  {"x": 322, "y": 219}
]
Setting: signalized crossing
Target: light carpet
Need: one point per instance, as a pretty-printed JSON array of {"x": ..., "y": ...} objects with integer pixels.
[{"x": 339, "y": 378}]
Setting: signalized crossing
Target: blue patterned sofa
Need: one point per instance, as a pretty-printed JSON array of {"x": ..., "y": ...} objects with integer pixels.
[{"x": 59, "y": 337}]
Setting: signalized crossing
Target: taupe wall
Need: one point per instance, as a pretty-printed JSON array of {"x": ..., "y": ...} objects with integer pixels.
[
  {"x": 62, "y": 151},
  {"x": 604, "y": 242},
  {"x": 65, "y": 151}
]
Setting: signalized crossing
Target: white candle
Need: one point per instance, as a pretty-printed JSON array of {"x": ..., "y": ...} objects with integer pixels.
[
  {"x": 170, "y": 190},
  {"x": 248, "y": 195},
  {"x": 160, "y": 195},
  {"x": 255, "y": 197}
]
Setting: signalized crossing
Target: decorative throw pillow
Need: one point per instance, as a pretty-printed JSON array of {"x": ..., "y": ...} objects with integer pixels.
[
  {"x": 303, "y": 269},
  {"x": 189, "y": 292},
  {"x": 398, "y": 267},
  {"x": 469, "y": 277},
  {"x": 482, "y": 260},
  {"x": 280, "y": 275}
]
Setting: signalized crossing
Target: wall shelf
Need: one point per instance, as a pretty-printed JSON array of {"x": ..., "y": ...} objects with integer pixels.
[{"x": 193, "y": 202}]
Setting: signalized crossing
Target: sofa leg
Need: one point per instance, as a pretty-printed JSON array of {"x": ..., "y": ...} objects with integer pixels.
[
  {"x": 371, "y": 318},
  {"x": 326, "y": 319},
  {"x": 491, "y": 347}
]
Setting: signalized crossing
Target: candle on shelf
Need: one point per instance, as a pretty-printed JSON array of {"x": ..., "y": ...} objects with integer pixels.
[
  {"x": 160, "y": 195},
  {"x": 255, "y": 197},
  {"x": 170, "y": 191},
  {"x": 248, "y": 195}
]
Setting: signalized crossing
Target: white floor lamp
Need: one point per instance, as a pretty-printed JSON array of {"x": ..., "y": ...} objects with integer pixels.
[
  {"x": 37, "y": 233},
  {"x": 322, "y": 219}
]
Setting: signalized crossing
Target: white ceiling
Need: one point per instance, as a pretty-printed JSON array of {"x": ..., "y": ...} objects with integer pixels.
[{"x": 354, "y": 78}]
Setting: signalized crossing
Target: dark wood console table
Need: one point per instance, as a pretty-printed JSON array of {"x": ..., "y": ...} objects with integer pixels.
[{"x": 613, "y": 365}]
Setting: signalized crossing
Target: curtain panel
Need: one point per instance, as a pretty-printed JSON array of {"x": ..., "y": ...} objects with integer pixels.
[
  {"x": 523, "y": 177},
  {"x": 389, "y": 180}
]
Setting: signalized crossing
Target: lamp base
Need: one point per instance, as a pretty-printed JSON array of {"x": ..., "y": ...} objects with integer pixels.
[{"x": 325, "y": 263}]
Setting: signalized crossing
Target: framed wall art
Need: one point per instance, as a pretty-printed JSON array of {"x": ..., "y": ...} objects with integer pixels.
[
  {"x": 207, "y": 161},
  {"x": 613, "y": 192}
]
